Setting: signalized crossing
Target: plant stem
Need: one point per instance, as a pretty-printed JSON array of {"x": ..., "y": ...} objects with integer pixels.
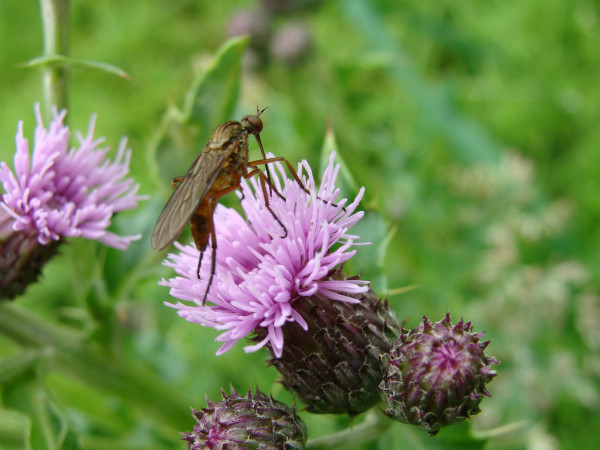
[
  {"x": 81, "y": 358},
  {"x": 368, "y": 431},
  {"x": 56, "y": 26}
]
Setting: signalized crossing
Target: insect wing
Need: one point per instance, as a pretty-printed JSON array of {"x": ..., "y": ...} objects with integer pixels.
[{"x": 188, "y": 195}]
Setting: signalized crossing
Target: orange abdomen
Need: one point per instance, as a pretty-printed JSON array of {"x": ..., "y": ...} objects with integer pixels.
[{"x": 201, "y": 225}]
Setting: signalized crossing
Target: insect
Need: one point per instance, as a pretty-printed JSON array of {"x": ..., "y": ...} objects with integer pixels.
[{"x": 216, "y": 172}]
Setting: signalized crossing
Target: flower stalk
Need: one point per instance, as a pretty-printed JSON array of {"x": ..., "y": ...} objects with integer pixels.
[
  {"x": 56, "y": 27},
  {"x": 369, "y": 430}
]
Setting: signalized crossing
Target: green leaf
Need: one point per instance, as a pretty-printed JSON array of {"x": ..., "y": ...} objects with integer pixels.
[
  {"x": 29, "y": 395},
  {"x": 14, "y": 430},
  {"x": 346, "y": 182},
  {"x": 372, "y": 228},
  {"x": 209, "y": 102},
  {"x": 370, "y": 258},
  {"x": 214, "y": 94},
  {"x": 15, "y": 366},
  {"x": 66, "y": 61}
]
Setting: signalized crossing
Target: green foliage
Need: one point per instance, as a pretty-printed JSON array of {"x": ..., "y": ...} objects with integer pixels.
[{"x": 472, "y": 126}]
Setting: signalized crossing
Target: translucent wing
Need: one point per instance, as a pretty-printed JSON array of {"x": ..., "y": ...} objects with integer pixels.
[{"x": 188, "y": 195}]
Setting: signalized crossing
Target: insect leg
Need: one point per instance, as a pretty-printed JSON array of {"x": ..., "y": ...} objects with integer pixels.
[
  {"x": 213, "y": 258},
  {"x": 263, "y": 180},
  {"x": 176, "y": 180},
  {"x": 199, "y": 264},
  {"x": 266, "y": 161},
  {"x": 292, "y": 171},
  {"x": 212, "y": 203}
]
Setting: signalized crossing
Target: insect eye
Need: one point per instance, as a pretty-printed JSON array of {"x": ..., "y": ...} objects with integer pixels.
[{"x": 252, "y": 123}]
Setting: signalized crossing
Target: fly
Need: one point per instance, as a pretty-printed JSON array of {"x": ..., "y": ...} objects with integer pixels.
[{"x": 216, "y": 172}]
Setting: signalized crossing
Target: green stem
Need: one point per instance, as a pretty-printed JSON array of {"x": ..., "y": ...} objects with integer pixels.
[
  {"x": 368, "y": 431},
  {"x": 127, "y": 380},
  {"x": 56, "y": 24}
]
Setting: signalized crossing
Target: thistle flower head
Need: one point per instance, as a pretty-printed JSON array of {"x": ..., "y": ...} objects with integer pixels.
[
  {"x": 436, "y": 375},
  {"x": 56, "y": 192},
  {"x": 253, "y": 421},
  {"x": 262, "y": 271}
]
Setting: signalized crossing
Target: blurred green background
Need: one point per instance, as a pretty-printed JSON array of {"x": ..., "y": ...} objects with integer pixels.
[{"x": 473, "y": 126}]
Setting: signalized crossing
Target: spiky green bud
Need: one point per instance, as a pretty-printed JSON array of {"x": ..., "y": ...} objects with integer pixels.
[
  {"x": 254, "y": 421},
  {"x": 436, "y": 375}
]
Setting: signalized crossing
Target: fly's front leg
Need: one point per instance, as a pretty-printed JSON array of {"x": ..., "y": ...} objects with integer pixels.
[
  {"x": 261, "y": 162},
  {"x": 263, "y": 182},
  {"x": 292, "y": 171}
]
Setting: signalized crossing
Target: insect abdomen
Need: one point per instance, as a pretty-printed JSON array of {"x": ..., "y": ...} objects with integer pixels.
[{"x": 200, "y": 226}]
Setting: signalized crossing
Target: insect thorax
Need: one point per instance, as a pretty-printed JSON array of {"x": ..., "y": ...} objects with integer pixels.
[{"x": 226, "y": 134}]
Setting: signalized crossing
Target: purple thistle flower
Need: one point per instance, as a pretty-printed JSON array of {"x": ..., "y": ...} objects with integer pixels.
[
  {"x": 261, "y": 275},
  {"x": 56, "y": 192}
]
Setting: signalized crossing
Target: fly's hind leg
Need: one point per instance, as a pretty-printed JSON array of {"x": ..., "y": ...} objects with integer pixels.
[
  {"x": 212, "y": 203},
  {"x": 213, "y": 259}
]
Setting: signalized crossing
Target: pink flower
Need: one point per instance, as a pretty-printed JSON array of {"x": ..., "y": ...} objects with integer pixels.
[
  {"x": 261, "y": 274},
  {"x": 58, "y": 192}
]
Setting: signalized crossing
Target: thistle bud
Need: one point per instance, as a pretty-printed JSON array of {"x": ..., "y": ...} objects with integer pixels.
[
  {"x": 334, "y": 365},
  {"x": 436, "y": 375},
  {"x": 253, "y": 421}
]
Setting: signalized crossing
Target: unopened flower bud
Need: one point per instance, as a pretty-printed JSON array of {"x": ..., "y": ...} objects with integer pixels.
[
  {"x": 253, "y": 421},
  {"x": 436, "y": 375}
]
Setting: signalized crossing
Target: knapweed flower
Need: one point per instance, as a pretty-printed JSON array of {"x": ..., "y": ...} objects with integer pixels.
[
  {"x": 253, "y": 421},
  {"x": 436, "y": 375},
  {"x": 57, "y": 192},
  {"x": 264, "y": 271}
]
